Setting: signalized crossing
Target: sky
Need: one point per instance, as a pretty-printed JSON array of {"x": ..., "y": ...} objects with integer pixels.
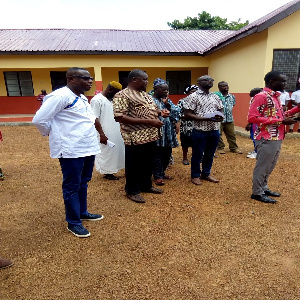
[{"x": 124, "y": 14}]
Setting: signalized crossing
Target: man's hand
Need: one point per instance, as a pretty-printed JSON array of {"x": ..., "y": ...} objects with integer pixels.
[
  {"x": 155, "y": 123},
  {"x": 248, "y": 127},
  {"x": 165, "y": 113},
  {"x": 103, "y": 139},
  {"x": 288, "y": 121},
  {"x": 217, "y": 118}
]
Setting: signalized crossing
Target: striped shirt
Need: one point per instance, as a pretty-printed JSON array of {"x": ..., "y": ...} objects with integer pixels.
[
  {"x": 201, "y": 104},
  {"x": 136, "y": 104}
]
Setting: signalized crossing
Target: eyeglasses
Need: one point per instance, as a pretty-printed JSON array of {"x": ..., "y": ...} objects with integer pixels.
[{"x": 86, "y": 78}]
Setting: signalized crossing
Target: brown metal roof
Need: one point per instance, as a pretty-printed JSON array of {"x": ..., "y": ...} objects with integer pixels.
[
  {"x": 257, "y": 26},
  {"x": 151, "y": 42},
  {"x": 103, "y": 40}
]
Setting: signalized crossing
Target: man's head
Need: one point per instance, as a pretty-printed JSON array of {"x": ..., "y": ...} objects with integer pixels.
[
  {"x": 223, "y": 87},
  {"x": 43, "y": 92},
  {"x": 255, "y": 91},
  {"x": 205, "y": 82},
  {"x": 161, "y": 88},
  {"x": 138, "y": 80},
  {"x": 112, "y": 88},
  {"x": 79, "y": 80},
  {"x": 190, "y": 89},
  {"x": 275, "y": 81}
]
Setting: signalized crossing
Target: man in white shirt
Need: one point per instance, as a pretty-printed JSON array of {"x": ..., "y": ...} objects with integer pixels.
[
  {"x": 111, "y": 159},
  {"x": 67, "y": 118},
  {"x": 284, "y": 98},
  {"x": 295, "y": 97}
]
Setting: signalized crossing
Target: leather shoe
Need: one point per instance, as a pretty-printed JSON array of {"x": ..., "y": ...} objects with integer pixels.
[
  {"x": 210, "y": 179},
  {"x": 154, "y": 190},
  {"x": 238, "y": 151},
  {"x": 273, "y": 194},
  {"x": 136, "y": 198},
  {"x": 185, "y": 162},
  {"x": 159, "y": 181},
  {"x": 196, "y": 181},
  {"x": 5, "y": 263},
  {"x": 263, "y": 198}
]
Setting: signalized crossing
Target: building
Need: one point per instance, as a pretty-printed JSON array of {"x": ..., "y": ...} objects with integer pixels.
[{"x": 35, "y": 59}]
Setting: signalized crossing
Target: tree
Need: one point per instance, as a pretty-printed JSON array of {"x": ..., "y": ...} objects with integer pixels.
[{"x": 205, "y": 21}]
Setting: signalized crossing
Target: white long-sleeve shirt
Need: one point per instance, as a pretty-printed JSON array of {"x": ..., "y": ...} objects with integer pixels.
[{"x": 70, "y": 124}]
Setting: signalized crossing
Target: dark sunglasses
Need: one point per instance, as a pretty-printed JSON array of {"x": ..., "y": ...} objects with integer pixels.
[{"x": 86, "y": 78}]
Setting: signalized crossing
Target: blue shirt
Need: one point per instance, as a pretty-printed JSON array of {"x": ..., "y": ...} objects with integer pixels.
[
  {"x": 228, "y": 103},
  {"x": 168, "y": 134}
]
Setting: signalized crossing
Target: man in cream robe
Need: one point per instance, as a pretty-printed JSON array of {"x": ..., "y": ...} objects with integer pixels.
[{"x": 111, "y": 159}]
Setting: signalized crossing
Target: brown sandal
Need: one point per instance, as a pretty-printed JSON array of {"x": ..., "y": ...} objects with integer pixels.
[{"x": 110, "y": 177}]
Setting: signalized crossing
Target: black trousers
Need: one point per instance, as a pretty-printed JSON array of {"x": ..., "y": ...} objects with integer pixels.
[
  {"x": 161, "y": 161},
  {"x": 138, "y": 167}
]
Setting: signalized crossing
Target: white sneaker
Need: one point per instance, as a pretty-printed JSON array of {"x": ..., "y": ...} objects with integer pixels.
[
  {"x": 251, "y": 152},
  {"x": 252, "y": 155}
]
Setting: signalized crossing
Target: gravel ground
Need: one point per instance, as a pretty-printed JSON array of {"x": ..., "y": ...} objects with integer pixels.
[{"x": 207, "y": 242}]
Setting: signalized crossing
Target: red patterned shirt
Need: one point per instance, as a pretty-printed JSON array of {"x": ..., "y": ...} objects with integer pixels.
[{"x": 266, "y": 111}]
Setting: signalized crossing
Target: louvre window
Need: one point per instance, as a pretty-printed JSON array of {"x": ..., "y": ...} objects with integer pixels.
[
  {"x": 177, "y": 80},
  {"x": 19, "y": 83}
]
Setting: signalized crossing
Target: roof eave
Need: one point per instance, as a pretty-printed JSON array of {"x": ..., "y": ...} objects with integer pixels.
[
  {"x": 73, "y": 52},
  {"x": 275, "y": 19},
  {"x": 232, "y": 40}
]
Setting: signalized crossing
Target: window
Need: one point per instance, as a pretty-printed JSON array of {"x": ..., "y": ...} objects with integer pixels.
[
  {"x": 177, "y": 80},
  {"x": 123, "y": 78},
  {"x": 18, "y": 83},
  {"x": 58, "y": 79},
  {"x": 287, "y": 61}
]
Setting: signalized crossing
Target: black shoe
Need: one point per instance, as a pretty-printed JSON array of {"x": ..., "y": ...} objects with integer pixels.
[
  {"x": 273, "y": 194},
  {"x": 154, "y": 190},
  {"x": 110, "y": 177},
  {"x": 136, "y": 198},
  {"x": 263, "y": 198}
]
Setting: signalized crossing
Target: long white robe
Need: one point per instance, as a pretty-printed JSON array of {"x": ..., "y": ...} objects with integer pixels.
[{"x": 110, "y": 160}]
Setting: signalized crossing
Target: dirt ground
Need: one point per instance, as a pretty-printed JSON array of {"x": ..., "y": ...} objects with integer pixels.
[{"x": 207, "y": 242}]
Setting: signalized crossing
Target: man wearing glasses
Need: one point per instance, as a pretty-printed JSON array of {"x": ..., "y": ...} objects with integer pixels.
[
  {"x": 205, "y": 109},
  {"x": 67, "y": 118}
]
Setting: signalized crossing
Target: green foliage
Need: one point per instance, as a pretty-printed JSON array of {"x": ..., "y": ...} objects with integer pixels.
[{"x": 205, "y": 21}]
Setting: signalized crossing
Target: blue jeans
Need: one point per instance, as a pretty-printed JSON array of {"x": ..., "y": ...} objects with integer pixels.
[
  {"x": 77, "y": 172},
  {"x": 204, "y": 147},
  {"x": 252, "y": 135}
]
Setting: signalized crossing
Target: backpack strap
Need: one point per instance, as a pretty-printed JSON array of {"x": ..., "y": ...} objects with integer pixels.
[{"x": 72, "y": 104}]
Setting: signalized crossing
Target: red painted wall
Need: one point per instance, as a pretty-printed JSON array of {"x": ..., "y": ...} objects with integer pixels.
[
  {"x": 29, "y": 105},
  {"x": 176, "y": 98},
  {"x": 18, "y": 105},
  {"x": 240, "y": 110}
]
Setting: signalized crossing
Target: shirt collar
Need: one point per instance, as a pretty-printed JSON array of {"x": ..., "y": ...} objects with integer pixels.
[{"x": 271, "y": 92}]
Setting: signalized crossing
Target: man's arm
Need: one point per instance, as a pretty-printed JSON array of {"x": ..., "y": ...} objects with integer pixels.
[
  {"x": 103, "y": 138},
  {"x": 189, "y": 114},
  {"x": 44, "y": 116},
  {"x": 130, "y": 120}
]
